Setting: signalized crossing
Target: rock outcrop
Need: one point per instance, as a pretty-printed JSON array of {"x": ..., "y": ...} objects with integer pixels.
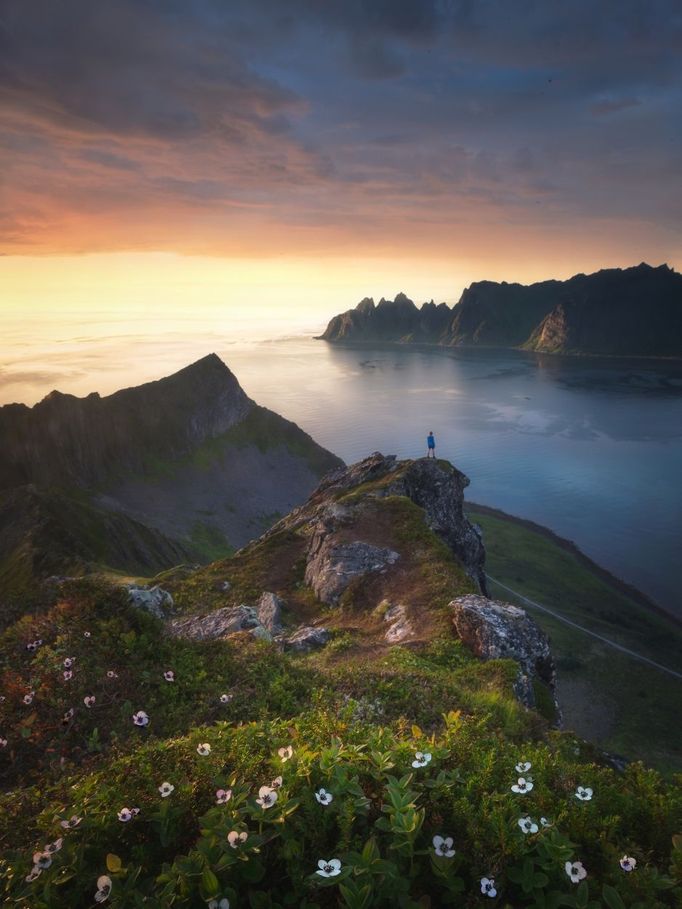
[
  {"x": 269, "y": 611},
  {"x": 435, "y": 486},
  {"x": 218, "y": 624},
  {"x": 495, "y": 630},
  {"x": 332, "y": 566},
  {"x": 154, "y": 600},
  {"x": 306, "y": 639}
]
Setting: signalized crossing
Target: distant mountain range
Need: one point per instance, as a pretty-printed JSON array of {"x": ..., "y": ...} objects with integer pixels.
[
  {"x": 616, "y": 312},
  {"x": 185, "y": 468}
]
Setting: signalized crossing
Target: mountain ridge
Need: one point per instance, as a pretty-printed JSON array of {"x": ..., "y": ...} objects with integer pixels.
[{"x": 635, "y": 311}]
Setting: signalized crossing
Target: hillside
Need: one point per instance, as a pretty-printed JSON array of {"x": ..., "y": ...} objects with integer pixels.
[
  {"x": 187, "y": 467},
  {"x": 615, "y": 312},
  {"x": 338, "y": 696}
]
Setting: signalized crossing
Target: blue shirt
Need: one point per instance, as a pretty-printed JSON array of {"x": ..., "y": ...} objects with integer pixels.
[{"x": 431, "y": 442}]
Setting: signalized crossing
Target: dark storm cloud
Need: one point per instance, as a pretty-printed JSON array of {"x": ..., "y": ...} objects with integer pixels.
[{"x": 569, "y": 110}]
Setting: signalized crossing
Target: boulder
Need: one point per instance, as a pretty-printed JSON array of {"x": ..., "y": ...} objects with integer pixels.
[
  {"x": 219, "y": 624},
  {"x": 155, "y": 600},
  {"x": 496, "y": 630},
  {"x": 400, "y": 627},
  {"x": 269, "y": 611},
  {"x": 332, "y": 566},
  {"x": 306, "y": 638}
]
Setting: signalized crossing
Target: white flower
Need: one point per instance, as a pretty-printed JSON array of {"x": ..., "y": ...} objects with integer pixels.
[
  {"x": 165, "y": 789},
  {"x": 523, "y": 767},
  {"x": 575, "y": 871},
  {"x": 286, "y": 753},
  {"x": 545, "y": 822},
  {"x": 488, "y": 887},
  {"x": 125, "y": 815},
  {"x": 28, "y": 698},
  {"x": 103, "y": 888},
  {"x": 68, "y": 662},
  {"x": 42, "y": 860},
  {"x": 3, "y": 743},
  {"x": 169, "y": 675},
  {"x": 527, "y": 825},
  {"x": 266, "y": 797},
  {"x": 522, "y": 785},
  {"x": 421, "y": 759},
  {"x": 277, "y": 783},
  {"x": 73, "y": 821},
  {"x": 234, "y": 838},
  {"x": 33, "y": 874},
  {"x": 203, "y": 749},
  {"x": 111, "y": 674},
  {"x": 51, "y": 848},
  {"x": 223, "y": 796},
  {"x": 443, "y": 846},
  {"x": 89, "y": 700},
  {"x": 328, "y": 868},
  {"x": 86, "y": 634},
  {"x": 140, "y": 718},
  {"x": 68, "y": 716},
  {"x": 224, "y": 903},
  {"x": 68, "y": 674},
  {"x": 584, "y": 794},
  {"x": 627, "y": 863},
  {"x": 31, "y": 646},
  {"x": 323, "y": 797},
  {"x": 226, "y": 698}
]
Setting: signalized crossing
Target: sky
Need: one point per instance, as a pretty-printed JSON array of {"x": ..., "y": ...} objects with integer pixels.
[{"x": 285, "y": 159}]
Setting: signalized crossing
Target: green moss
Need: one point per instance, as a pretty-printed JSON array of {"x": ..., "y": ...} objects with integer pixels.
[{"x": 210, "y": 541}]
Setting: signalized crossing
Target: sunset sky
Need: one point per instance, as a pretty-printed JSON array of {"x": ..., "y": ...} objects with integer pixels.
[{"x": 295, "y": 156}]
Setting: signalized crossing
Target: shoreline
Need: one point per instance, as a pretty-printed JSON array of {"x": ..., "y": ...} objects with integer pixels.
[
  {"x": 569, "y": 546},
  {"x": 433, "y": 345}
]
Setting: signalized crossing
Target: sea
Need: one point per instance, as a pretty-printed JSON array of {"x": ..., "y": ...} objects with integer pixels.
[{"x": 589, "y": 447}]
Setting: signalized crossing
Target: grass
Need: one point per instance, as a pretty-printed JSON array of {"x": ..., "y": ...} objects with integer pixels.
[{"x": 625, "y": 706}]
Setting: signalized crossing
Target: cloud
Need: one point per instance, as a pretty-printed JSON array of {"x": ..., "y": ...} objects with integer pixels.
[{"x": 255, "y": 127}]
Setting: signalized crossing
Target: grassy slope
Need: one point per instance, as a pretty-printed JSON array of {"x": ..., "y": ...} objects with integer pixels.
[
  {"x": 625, "y": 706},
  {"x": 355, "y": 714}
]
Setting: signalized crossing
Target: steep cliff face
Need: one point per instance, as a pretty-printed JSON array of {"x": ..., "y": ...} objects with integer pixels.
[{"x": 624, "y": 312}]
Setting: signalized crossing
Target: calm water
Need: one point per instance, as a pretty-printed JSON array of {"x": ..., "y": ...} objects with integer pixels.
[{"x": 590, "y": 448}]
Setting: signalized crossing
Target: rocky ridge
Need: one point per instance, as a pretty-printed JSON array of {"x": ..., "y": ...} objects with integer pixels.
[
  {"x": 360, "y": 558},
  {"x": 576, "y": 316}
]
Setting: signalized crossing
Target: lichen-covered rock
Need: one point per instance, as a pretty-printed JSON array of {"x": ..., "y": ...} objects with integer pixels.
[
  {"x": 332, "y": 565},
  {"x": 307, "y": 638},
  {"x": 496, "y": 630},
  {"x": 269, "y": 611},
  {"x": 155, "y": 600},
  {"x": 400, "y": 627},
  {"x": 435, "y": 486},
  {"x": 218, "y": 624}
]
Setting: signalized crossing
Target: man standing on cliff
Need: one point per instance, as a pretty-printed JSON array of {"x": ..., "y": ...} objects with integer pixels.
[{"x": 431, "y": 445}]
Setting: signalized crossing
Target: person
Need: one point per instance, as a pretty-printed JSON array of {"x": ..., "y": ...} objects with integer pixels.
[{"x": 431, "y": 446}]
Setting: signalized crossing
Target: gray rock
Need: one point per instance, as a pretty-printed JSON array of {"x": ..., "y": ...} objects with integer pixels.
[
  {"x": 400, "y": 626},
  {"x": 269, "y": 610},
  {"x": 496, "y": 630},
  {"x": 307, "y": 638},
  {"x": 333, "y": 565},
  {"x": 219, "y": 624},
  {"x": 435, "y": 486},
  {"x": 155, "y": 599}
]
